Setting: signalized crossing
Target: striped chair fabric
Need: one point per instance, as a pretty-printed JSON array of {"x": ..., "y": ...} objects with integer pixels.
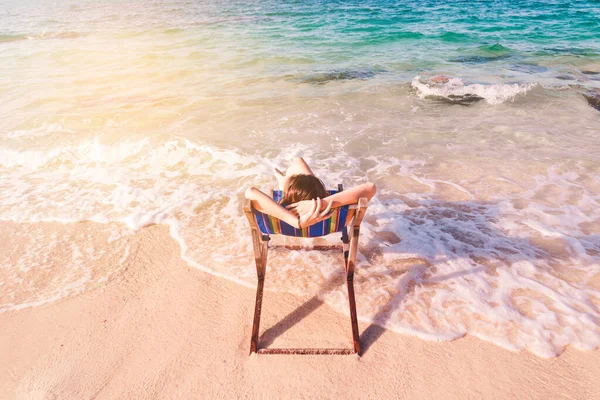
[{"x": 270, "y": 225}]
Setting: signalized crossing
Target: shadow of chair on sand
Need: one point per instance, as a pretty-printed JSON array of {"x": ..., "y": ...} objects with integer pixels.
[
  {"x": 467, "y": 224},
  {"x": 374, "y": 331}
]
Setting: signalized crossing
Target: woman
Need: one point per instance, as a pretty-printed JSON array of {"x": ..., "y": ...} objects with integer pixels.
[{"x": 305, "y": 200}]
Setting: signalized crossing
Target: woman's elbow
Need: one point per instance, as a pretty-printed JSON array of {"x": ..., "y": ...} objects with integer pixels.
[
  {"x": 370, "y": 190},
  {"x": 250, "y": 193}
]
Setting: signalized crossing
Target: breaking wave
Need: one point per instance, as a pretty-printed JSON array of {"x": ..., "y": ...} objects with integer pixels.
[{"x": 455, "y": 90}]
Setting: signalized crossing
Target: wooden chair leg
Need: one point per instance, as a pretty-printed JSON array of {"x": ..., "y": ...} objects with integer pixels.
[
  {"x": 350, "y": 265},
  {"x": 257, "y": 309},
  {"x": 260, "y": 253},
  {"x": 353, "y": 316}
]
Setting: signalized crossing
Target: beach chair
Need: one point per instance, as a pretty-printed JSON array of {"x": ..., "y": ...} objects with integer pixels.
[{"x": 263, "y": 225}]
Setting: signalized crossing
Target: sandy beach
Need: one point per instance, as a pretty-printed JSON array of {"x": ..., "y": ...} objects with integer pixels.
[{"x": 162, "y": 329}]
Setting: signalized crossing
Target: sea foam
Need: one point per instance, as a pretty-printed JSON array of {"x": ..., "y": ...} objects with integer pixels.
[
  {"x": 428, "y": 267},
  {"x": 455, "y": 88}
]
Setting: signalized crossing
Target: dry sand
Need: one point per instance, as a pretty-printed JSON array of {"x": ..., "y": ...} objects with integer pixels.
[{"x": 166, "y": 330}]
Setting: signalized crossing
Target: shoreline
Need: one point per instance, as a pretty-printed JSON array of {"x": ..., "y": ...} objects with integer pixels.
[{"x": 163, "y": 328}]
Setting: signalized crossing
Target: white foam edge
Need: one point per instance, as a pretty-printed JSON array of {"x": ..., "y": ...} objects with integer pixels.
[{"x": 493, "y": 94}]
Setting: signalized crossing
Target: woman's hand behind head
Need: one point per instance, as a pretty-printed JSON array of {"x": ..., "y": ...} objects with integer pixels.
[{"x": 311, "y": 211}]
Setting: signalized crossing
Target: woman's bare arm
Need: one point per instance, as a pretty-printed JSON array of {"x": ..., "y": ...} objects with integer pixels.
[
  {"x": 340, "y": 199},
  {"x": 310, "y": 215},
  {"x": 351, "y": 196},
  {"x": 264, "y": 203}
]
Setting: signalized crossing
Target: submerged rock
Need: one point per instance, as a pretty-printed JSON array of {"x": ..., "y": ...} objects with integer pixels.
[
  {"x": 564, "y": 77},
  {"x": 461, "y": 100},
  {"x": 445, "y": 89},
  {"x": 479, "y": 59},
  {"x": 528, "y": 68},
  {"x": 440, "y": 79},
  {"x": 495, "y": 48},
  {"x": 568, "y": 50},
  {"x": 486, "y": 54},
  {"x": 590, "y": 72},
  {"x": 339, "y": 75},
  {"x": 593, "y": 99}
]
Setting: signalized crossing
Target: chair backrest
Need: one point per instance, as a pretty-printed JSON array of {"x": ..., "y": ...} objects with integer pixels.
[{"x": 270, "y": 225}]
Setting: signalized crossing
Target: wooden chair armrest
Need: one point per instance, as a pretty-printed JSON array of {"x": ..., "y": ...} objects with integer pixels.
[
  {"x": 248, "y": 210},
  {"x": 361, "y": 209},
  {"x": 362, "y": 203},
  {"x": 247, "y": 206}
]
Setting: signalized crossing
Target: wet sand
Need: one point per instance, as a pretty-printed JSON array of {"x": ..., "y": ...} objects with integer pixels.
[{"x": 162, "y": 329}]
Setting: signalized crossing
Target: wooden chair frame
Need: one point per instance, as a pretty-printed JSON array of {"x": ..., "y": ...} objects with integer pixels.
[{"x": 260, "y": 243}]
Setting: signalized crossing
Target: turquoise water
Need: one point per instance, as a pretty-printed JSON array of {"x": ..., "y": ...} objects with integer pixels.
[
  {"x": 512, "y": 39},
  {"x": 476, "y": 120}
]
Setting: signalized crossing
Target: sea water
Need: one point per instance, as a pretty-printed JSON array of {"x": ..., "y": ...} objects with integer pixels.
[{"x": 471, "y": 118}]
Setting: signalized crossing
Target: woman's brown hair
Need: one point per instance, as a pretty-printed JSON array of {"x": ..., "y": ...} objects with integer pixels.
[{"x": 303, "y": 187}]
